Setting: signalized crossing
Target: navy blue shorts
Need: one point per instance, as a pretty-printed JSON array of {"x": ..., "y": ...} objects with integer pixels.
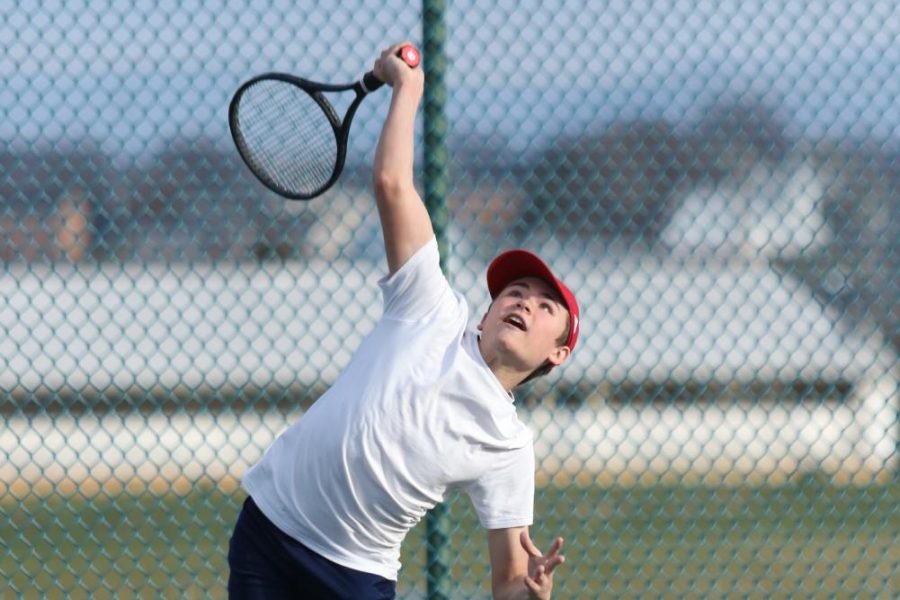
[{"x": 267, "y": 563}]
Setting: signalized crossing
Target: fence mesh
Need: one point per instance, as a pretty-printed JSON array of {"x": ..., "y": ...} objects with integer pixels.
[{"x": 719, "y": 183}]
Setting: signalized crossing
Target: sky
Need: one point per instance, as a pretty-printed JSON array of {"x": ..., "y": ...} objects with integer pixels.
[{"x": 133, "y": 76}]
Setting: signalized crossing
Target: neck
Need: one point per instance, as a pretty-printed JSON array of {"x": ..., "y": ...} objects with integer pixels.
[{"x": 509, "y": 376}]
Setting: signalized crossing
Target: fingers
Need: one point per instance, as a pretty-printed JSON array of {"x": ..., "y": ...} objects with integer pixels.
[
  {"x": 392, "y": 52},
  {"x": 539, "y": 580},
  {"x": 543, "y": 573},
  {"x": 541, "y": 584},
  {"x": 552, "y": 563},
  {"x": 403, "y": 43},
  {"x": 556, "y": 547},
  {"x": 390, "y": 67},
  {"x": 395, "y": 48},
  {"x": 535, "y": 584},
  {"x": 533, "y": 550},
  {"x": 528, "y": 545}
]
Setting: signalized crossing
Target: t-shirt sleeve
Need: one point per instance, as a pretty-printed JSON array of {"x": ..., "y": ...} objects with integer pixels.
[
  {"x": 417, "y": 287},
  {"x": 504, "y": 495}
]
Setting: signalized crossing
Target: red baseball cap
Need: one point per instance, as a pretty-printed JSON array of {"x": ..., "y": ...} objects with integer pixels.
[{"x": 516, "y": 264}]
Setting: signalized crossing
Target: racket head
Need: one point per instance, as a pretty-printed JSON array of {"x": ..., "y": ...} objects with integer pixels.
[{"x": 288, "y": 134}]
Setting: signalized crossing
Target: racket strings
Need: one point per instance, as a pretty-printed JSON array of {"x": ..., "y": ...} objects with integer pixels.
[{"x": 287, "y": 136}]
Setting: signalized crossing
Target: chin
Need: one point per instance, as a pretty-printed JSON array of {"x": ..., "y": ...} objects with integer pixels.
[
  {"x": 509, "y": 340},
  {"x": 511, "y": 348}
]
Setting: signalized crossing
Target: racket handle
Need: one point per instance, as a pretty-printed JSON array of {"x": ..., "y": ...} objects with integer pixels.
[{"x": 410, "y": 55}]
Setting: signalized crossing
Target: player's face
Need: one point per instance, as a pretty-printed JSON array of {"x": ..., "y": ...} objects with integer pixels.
[{"x": 525, "y": 322}]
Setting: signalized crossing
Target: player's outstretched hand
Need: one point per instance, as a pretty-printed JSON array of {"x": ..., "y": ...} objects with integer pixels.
[
  {"x": 539, "y": 580},
  {"x": 394, "y": 66}
]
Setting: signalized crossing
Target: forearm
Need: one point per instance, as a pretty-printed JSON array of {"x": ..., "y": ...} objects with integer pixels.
[
  {"x": 513, "y": 554},
  {"x": 405, "y": 223},
  {"x": 511, "y": 590},
  {"x": 395, "y": 153}
]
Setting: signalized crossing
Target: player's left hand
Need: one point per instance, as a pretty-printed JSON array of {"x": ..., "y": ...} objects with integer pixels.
[{"x": 539, "y": 580}]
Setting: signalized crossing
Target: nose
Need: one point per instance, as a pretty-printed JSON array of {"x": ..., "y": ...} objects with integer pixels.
[{"x": 524, "y": 304}]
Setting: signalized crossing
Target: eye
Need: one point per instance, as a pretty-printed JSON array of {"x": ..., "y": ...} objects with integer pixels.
[{"x": 547, "y": 307}]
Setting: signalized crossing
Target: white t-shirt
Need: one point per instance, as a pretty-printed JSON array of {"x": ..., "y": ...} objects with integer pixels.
[{"x": 416, "y": 413}]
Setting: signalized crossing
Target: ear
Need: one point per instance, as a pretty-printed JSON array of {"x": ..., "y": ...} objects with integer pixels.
[
  {"x": 559, "y": 355},
  {"x": 480, "y": 326}
]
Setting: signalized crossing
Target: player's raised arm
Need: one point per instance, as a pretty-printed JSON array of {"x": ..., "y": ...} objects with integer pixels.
[{"x": 405, "y": 223}]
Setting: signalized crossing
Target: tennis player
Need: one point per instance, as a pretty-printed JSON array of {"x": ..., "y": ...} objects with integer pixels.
[{"x": 423, "y": 408}]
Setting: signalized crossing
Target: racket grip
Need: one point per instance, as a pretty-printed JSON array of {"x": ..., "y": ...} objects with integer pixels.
[{"x": 408, "y": 53}]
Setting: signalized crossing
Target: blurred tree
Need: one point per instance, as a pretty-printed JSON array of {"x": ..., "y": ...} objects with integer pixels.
[
  {"x": 624, "y": 183},
  {"x": 51, "y": 203},
  {"x": 617, "y": 185},
  {"x": 199, "y": 202},
  {"x": 859, "y": 272}
]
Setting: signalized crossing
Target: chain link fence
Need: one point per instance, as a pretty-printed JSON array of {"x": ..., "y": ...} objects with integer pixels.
[{"x": 719, "y": 183}]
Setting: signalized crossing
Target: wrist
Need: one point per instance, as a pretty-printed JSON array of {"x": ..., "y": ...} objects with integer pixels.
[{"x": 410, "y": 85}]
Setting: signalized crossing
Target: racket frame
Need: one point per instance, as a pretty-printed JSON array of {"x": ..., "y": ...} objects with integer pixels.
[{"x": 316, "y": 90}]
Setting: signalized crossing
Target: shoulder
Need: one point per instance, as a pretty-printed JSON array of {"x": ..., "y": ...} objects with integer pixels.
[{"x": 419, "y": 286}]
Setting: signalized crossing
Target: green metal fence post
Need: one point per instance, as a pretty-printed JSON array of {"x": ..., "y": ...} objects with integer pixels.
[
  {"x": 436, "y": 181},
  {"x": 435, "y": 125}
]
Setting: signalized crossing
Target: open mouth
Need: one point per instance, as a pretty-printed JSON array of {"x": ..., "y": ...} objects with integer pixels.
[{"x": 515, "y": 321}]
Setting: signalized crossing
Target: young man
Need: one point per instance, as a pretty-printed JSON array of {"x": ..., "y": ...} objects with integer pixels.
[{"x": 424, "y": 407}]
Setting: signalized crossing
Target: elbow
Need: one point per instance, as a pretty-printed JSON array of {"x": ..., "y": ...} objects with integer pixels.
[
  {"x": 384, "y": 184},
  {"x": 387, "y": 186}
]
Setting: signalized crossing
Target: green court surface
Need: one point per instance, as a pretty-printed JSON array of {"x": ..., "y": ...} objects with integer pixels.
[{"x": 808, "y": 538}]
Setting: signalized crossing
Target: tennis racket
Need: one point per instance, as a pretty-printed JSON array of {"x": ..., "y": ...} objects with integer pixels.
[{"x": 289, "y": 134}]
